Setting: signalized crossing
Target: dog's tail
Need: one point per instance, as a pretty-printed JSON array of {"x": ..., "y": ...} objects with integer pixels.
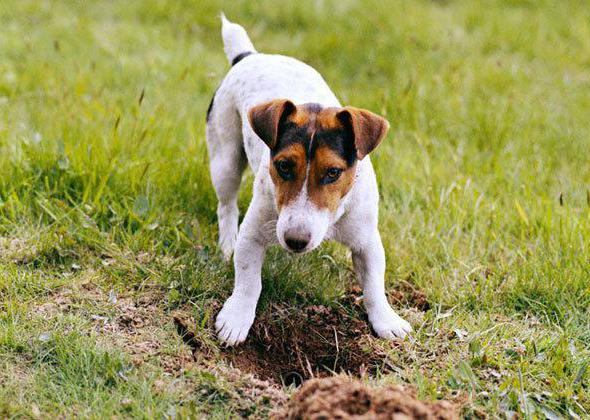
[{"x": 236, "y": 42}]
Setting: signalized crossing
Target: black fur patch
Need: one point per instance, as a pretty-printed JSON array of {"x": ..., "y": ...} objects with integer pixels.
[
  {"x": 290, "y": 133},
  {"x": 240, "y": 57},
  {"x": 235, "y": 61},
  {"x": 341, "y": 141},
  {"x": 210, "y": 106}
]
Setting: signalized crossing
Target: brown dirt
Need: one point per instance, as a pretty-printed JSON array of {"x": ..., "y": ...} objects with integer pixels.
[
  {"x": 293, "y": 344},
  {"x": 406, "y": 294},
  {"x": 286, "y": 345},
  {"x": 290, "y": 344},
  {"x": 342, "y": 398}
]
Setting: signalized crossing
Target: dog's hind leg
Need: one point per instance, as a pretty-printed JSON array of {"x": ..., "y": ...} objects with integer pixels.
[{"x": 227, "y": 162}]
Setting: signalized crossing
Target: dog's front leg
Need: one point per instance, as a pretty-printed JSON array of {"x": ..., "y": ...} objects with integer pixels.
[
  {"x": 237, "y": 315},
  {"x": 369, "y": 265}
]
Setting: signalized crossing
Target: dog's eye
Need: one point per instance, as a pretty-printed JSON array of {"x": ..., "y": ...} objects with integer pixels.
[
  {"x": 285, "y": 170},
  {"x": 332, "y": 174}
]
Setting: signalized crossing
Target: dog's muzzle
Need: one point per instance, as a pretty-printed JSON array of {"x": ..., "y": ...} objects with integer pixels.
[{"x": 297, "y": 242}]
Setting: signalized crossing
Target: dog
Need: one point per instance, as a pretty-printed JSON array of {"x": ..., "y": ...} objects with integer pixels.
[{"x": 314, "y": 180}]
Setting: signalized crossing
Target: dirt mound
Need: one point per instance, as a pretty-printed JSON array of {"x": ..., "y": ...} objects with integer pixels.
[
  {"x": 342, "y": 398},
  {"x": 291, "y": 345}
]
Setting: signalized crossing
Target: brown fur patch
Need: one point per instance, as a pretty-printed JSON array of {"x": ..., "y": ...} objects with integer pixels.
[
  {"x": 324, "y": 138},
  {"x": 328, "y": 196},
  {"x": 301, "y": 117},
  {"x": 326, "y": 119},
  {"x": 368, "y": 128},
  {"x": 286, "y": 191},
  {"x": 265, "y": 119}
]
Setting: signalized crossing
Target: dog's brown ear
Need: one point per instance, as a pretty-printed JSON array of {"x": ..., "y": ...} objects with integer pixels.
[
  {"x": 266, "y": 119},
  {"x": 368, "y": 129}
]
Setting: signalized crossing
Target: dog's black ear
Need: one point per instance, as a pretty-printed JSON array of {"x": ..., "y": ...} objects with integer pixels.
[
  {"x": 368, "y": 129},
  {"x": 266, "y": 119}
]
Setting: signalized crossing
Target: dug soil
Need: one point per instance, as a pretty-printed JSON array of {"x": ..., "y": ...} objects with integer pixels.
[
  {"x": 290, "y": 345},
  {"x": 306, "y": 346},
  {"x": 342, "y": 398}
]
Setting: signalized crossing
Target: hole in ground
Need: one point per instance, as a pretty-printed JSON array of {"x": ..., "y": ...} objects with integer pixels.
[{"x": 290, "y": 345}]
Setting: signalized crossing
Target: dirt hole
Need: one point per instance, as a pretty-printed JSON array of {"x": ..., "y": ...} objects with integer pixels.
[{"x": 290, "y": 345}]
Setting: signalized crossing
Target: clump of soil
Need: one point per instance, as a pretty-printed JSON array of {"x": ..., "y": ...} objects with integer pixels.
[
  {"x": 405, "y": 294},
  {"x": 341, "y": 398},
  {"x": 290, "y": 345}
]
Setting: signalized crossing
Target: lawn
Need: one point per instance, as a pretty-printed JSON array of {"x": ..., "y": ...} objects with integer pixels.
[{"x": 108, "y": 253}]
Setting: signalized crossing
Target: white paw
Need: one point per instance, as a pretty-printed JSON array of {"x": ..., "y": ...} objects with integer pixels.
[
  {"x": 388, "y": 324},
  {"x": 234, "y": 321},
  {"x": 227, "y": 242}
]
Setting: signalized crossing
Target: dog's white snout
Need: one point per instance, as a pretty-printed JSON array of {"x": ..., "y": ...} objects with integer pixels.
[
  {"x": 297, "y": 240},
  {"x": 302, "y": 228}
]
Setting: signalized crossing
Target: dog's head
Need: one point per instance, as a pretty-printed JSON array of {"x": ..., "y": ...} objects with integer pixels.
[{"x": 314, "y": 152}]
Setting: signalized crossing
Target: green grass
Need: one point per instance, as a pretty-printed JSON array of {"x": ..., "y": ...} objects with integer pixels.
[{"x": 485, "y": 184}]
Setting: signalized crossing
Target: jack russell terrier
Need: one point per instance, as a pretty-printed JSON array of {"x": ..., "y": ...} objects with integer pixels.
[{"x": 313, "y": 177}]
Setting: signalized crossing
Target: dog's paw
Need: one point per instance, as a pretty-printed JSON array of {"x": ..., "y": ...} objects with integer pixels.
[
  {"x": 234, "y": 321},
  {"x": 388, "y": 324},
  {"x": 227, "y": 243}
]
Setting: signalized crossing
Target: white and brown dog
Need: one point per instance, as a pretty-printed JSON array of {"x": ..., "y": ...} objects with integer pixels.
[{"x": 313, "y": 178}]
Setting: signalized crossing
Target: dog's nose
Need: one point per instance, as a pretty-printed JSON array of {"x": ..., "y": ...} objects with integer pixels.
[{"x": 296, "y": 244}]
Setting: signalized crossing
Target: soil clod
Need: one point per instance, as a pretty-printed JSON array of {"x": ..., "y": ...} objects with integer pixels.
[
  {"x": 405, "y": 294},
  {"x": 342, "y": 398}
]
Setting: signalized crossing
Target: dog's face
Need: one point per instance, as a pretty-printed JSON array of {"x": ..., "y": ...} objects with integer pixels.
[{"x": 314, "y": 152}]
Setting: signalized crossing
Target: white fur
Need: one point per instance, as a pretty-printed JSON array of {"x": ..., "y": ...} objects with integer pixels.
[
  {"x": 232, "y": 143},
  {"x": 235, "y": 39},
  {"x": 301, "y": 219}
]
